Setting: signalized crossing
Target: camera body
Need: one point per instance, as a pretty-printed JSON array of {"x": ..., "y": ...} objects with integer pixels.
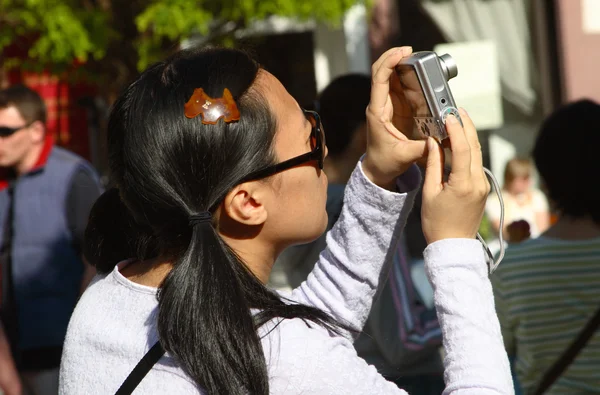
[{"x": 424, "y": 78}]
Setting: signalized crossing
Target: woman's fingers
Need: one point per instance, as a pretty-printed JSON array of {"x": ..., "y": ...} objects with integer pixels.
[
  {"x": 473, "y": 139},
  {"x": 382, "y": 71},
  {"x": 479, "y": 177},
  {"x": 461, "y": 150},
  {"x": 434, "y": 172}
]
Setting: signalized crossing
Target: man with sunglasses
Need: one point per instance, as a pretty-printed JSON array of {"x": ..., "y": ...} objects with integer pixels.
[{"x": 45, "y": 197}]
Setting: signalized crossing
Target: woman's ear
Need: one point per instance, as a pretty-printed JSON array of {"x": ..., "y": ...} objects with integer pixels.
[{"x": 245, "y": 204}]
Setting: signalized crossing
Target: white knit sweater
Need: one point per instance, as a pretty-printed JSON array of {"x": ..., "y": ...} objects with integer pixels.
[{"x": 114, "y": 323}]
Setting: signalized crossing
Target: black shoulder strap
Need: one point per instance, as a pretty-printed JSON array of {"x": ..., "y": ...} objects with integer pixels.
[
  {"x": 141, "y": 369},
  {"x": 569, "y": 355}
]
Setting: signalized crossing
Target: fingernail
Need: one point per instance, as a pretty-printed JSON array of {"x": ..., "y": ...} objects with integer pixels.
[
  {"x": 407, "y": 50},
  {"x": 462, "y": 111},
  {"x": 451, "y": 119}
]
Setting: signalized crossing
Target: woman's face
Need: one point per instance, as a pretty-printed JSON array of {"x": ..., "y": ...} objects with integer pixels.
[{"x": 297, "y": 206}]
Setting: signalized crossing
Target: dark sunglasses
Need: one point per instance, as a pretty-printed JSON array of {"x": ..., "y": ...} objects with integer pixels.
[
  {"x": 317, "y": 153},
  {"x": 5, "y": 131}
]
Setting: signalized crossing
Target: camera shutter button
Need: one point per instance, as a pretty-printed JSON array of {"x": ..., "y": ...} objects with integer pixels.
[{"x": 453, "y": 111}]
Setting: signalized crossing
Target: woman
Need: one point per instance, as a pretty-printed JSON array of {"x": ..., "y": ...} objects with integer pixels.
[{"x": 209, "y": 207}]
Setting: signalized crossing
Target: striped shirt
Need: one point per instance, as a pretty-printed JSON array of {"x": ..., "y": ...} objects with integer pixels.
[{"x": 546, "y": 291}]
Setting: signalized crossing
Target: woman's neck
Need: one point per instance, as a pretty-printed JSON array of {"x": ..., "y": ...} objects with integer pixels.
[
  {"x": 257, "y": 255},
  {"x": 150, "y": 273}
]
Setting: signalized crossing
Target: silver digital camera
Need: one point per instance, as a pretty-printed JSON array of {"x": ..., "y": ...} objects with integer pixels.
[{"x": 424, "y": 78}]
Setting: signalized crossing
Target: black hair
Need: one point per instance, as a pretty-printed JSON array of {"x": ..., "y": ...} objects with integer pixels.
[
  {"x": 29, "y": 103},
  {"x": 342, "y": 106},
  {"x": 565, "y": 154},
  {"x": 109, "y": 239},
  {"x": 167, "y": 168}
]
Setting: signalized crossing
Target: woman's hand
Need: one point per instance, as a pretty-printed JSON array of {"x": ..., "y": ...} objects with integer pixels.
[
  {"x": 389, "y": 152},
  {"x": 454, "y": 209}
]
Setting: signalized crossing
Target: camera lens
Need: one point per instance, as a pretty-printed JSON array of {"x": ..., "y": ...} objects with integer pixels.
[{"x": 448, "y": 66}]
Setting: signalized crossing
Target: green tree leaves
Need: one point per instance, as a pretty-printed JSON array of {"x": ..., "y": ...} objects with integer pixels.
[{"x": 60, "y": 33}]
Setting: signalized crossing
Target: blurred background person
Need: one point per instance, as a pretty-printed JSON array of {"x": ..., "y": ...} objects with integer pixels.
[
  {"x": 46, "y": 194},
  {"x": 402, "y": 336},
  {"x": 548, "y": 288},
  {"x": 526, "y": 212}
]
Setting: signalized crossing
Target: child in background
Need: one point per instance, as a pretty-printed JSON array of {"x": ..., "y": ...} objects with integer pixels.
[{"x": 526, "y": 212}]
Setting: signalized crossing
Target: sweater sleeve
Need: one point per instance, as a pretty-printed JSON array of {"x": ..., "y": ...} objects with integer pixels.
[
  {"x": 345, "y": 279},
  {"x": 308, "y": 360},
  {"x": 475, "y": 361}
]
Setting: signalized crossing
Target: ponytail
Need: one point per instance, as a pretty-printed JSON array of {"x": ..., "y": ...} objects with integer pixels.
[
  {"x": 218, "y": 346},
  {"x": 112, "y": 234},
  {"x": 205, "y": 317}
]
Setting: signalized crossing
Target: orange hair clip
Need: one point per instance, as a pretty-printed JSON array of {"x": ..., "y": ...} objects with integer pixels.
[{"x": 212, "y": 109}]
